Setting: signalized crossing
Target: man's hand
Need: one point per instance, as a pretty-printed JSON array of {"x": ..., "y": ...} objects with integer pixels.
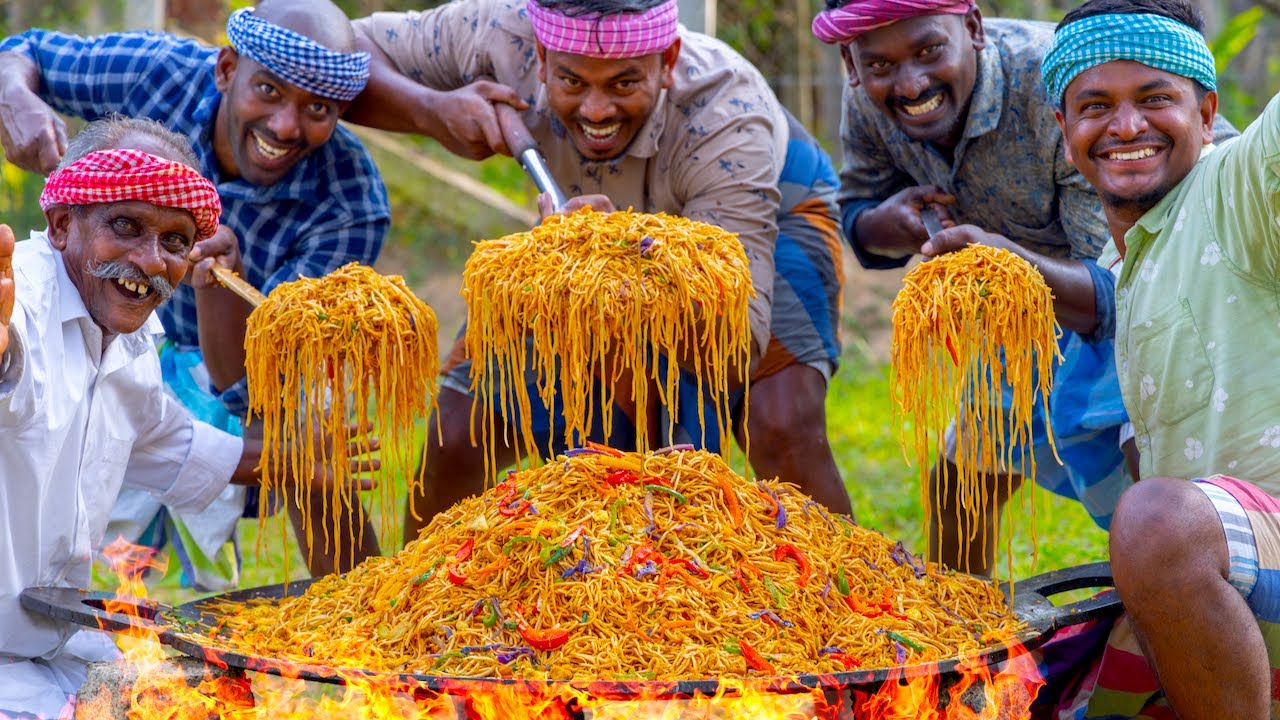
[
  {"x": 894, "y": 227},
  {"x": 360, "y": 461},
  {"x": 220, "y": 249},
  {"x": 6, "y": 285},
  {"x": 599, "y": 203},
  {"x": 33, "y": 136},
  {"x": 465, "y": 121},
  {"x": 954, "y": 237}
]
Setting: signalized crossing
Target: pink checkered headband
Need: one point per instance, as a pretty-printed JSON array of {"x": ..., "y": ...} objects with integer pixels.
[
  {"x": 845, "y": 23},
  {"x": 107, "y": 176},
  {"x": 625, "y": 35}
]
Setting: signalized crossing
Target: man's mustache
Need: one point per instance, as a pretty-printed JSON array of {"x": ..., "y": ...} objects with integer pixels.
[{"x": 116, "y": 270}]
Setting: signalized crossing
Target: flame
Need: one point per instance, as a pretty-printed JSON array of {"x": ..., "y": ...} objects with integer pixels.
[
  {"x": 165, "y": 689},
  {"x": 970, "y": 692}
]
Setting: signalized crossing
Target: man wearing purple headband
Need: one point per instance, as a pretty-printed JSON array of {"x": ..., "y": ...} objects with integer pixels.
[
  {"x": 945, "y": 110},
  {"x": 300, "y": 195},
  {"x": 632, "y": 111}
]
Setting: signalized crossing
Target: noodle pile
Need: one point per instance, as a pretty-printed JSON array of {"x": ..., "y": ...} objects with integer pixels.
[
  {"x": 320, "y": 352},
  {"x": 962, "y": 323},
  {"x": 600, "y": 296},
  {"x": 605, "y": 565}
]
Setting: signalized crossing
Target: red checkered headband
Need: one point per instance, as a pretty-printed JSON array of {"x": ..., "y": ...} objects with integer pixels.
[
  {"x": 625, "y": 35},
  {"x": 107, "y": 176}
]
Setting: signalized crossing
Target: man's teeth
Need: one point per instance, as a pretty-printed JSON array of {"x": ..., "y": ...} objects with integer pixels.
[
  {"x": 138, "y": 288},
  {"x": 927, "y": 106},
  {"x": 270, "y": 151},
  {"x": 1135, "y": 155},
  {"x": 602, "y": 133}
]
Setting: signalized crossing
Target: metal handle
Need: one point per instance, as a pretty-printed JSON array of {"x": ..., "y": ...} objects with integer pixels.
[
  {"x": 929, "y": 216},
  {"x": 525, "y": 150},
  {"x": 1031, "y": 596}
]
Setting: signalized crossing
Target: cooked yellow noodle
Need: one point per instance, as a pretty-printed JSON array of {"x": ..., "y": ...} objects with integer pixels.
[
  {"x": 962, "y": 323},
  {"x": 406, "y": 614},
  {"x": 600, "y": 295},
  {"x": 324, "y": 352}
]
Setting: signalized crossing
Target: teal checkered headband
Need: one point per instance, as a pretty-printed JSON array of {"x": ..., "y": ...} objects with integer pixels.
[{"x": 1154, "y": 40}]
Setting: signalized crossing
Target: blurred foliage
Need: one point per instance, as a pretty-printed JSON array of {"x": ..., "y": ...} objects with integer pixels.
[{"x": 772, "y": 34}]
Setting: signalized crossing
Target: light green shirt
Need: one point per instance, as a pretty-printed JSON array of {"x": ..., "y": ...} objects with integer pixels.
[{"x": 1198, "y": 316}]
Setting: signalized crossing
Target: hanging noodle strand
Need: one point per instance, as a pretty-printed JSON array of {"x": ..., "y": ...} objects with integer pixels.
[
  {"x": 963, "y": 324},
  {"x": 590, "y": 299},
  {"x": 353, "y": 346}
]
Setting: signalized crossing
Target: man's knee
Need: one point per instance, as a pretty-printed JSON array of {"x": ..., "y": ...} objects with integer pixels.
[
  {"x": 790, "y": 403},
  {"x": 1163, "y": 526}
]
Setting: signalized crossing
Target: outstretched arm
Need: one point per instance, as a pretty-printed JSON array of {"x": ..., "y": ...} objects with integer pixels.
[{"x": 463, "y": 120}]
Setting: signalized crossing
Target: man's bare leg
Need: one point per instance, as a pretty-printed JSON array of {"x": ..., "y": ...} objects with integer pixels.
[
  {"x": 787, "y": 421},
  {"x": 324, "y": 550},
  {"x": 1170, "y": 562},
  {"x": 956, "y": 540}
]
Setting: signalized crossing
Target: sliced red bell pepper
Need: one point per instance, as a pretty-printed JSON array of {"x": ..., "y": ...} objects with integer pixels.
[
  {"x": 464, "y": 550},
  {"x": 955, "y": 359},
  {"x": 848, "y": 661},
  {"x": 621, "y": 477},
  {"x": 604, "y": 449},
  {"x": 456, "y": 577},
  {"x": 518, "y": 508},
  {"x": 544, "y": 640},
  {"x": 755, "y": 660},
  {"x": 787, "y": 550},
  {"x": 731, "y": 501}
]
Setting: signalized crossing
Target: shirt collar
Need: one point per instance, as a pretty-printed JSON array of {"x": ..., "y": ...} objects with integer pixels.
[
  {"x": 302, "y": 181},
  {"x": 1153, "y": 222}
]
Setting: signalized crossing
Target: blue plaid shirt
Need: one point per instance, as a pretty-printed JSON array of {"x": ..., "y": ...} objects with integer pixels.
[{"x": 329, "y": 210}]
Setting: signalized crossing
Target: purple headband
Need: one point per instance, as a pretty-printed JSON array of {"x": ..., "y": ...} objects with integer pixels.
[
  {"x": 625, "y": 35},
  {"x": 844, "y": 24}
]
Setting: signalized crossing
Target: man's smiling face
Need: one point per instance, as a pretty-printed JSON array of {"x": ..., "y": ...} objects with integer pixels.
[
  {"x": 1135, "y": 131},
  {"x": 920, "y": 72}
]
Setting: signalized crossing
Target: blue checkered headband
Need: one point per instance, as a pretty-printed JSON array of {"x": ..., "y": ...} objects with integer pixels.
[
  {"x": 298, "y": 59},
  {"x": 1154, "y": 40}
]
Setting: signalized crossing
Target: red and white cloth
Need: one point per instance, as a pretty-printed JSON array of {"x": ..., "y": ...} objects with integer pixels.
[
  {"x": 845, "y": 23},
  {"x": 625, "y": 35},
  {"x": 107, "y": 176}
]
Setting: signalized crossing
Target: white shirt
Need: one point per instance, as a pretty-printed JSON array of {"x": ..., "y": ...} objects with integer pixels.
[{"x": 76, "y": 424}]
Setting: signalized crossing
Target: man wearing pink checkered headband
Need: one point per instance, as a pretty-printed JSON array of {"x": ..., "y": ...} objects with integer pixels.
[{"x": 634, "y": 111}]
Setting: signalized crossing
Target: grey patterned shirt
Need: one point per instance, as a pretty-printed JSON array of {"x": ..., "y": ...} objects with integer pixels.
[{"x": 1009, "y": 174}]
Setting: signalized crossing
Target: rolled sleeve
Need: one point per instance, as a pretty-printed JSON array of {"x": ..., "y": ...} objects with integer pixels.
[
  {"x": 849, "y": 213},
  {"x": 1104, "y": 303},
  {"x": 15, "y": 401},
  {"x": 236, "y": 398},
  {"x": 12, "y": 366}
]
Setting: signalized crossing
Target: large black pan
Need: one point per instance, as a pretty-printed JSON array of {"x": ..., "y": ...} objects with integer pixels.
[{"x": 185, "y": 628}]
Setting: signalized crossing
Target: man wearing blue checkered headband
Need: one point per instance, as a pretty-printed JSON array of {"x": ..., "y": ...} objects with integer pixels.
[
  {"x": 1196, "y": 251},
  {"x": 300, "y": 193}
]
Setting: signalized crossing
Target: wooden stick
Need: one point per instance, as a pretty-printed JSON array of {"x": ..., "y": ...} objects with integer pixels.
[{"x": 239, "y": 286}]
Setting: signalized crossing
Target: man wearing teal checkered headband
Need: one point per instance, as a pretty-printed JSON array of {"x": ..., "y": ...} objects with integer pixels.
[{"x": 1196, "y": 252}]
